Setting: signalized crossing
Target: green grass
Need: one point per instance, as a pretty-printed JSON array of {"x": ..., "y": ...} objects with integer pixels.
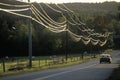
[{"x": 44, "y": 63}]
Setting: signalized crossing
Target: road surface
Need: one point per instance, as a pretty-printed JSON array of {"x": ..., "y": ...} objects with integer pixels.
[{"x": 91, "y": 70}]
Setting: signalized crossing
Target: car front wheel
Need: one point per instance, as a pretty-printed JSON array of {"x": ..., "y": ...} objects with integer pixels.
[{"x": 110, "y": 62}]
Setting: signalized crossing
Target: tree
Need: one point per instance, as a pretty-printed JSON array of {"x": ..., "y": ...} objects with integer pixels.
[{"x": 119, "y": 12}]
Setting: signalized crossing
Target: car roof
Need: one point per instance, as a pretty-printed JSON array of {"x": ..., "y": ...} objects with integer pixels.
[{"x": 105, "y": 55}]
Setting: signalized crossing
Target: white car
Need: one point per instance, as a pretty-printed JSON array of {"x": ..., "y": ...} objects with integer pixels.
[{"x": 106, "y": 58}]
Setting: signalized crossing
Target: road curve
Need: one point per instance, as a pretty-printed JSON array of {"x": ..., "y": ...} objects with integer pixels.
[{"x": 91, "y": 70}]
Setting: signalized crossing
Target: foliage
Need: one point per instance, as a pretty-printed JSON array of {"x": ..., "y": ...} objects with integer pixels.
[{"x": 102, "y": 17}]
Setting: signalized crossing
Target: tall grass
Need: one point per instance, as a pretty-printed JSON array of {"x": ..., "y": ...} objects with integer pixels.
[{"x": 45, "y": 62}]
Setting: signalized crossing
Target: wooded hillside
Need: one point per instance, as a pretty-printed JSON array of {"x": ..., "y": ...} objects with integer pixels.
[{"x": 102, "y": 17}]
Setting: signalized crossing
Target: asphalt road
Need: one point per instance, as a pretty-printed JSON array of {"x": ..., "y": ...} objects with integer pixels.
[{"x": 91, "y": 70}]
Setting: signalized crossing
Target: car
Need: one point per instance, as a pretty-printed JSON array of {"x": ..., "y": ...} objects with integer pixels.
[{"x": 106, "y": 58}]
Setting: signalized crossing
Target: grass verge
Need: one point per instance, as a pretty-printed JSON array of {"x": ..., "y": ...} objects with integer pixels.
[
  {"x": 42, "y": 68},
  {"x": 43, "y": 65}
]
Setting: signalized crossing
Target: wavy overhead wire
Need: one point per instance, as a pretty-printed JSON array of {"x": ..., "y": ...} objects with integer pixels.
[
  {"x": 85, "y": 40},
  {"x": 78, "y": 36},
  {"x": 9, "y": 5},
  {"x": 76, "y": 17},
  {"x": 15, "y": 13},
  {"x": 102, "y": 43},
  {"x": 17, "y": 10},
  {"x": 53, "y": 8},
  {"x": 94, "y": 42},
  {"x": 45, "y": 13},
  {"x": 74, "y": 36},
  {"x": 73, "y": 13},
  {"x": 74, "y": 22},
  {"x": 10, "y": 11},
  {"x": 49, "y": 26},
  {"x": 68, "y": 9},
  {"x": 59, "y": 12},
  {"x": 56, "y": 11},
  {"x": 61, "y": 8},
  {"x": 47, "y": 20},
  {"x": 71, "y": 23},
  {"x": 53, "y": 30},
  {"x": 85, "y": 30}
]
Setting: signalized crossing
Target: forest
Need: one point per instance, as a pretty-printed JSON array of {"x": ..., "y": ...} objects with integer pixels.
[{"x": 102, "y": 17}]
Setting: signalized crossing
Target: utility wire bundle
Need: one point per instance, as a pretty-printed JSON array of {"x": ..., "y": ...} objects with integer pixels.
[{"x": 41, "y": 17}]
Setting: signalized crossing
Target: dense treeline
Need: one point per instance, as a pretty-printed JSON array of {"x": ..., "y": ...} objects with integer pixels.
[{"x": 102, "y": 17}]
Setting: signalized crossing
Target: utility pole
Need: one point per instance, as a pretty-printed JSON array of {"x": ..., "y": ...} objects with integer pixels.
[
  {"x": 119, "y": 13},
  {"x": 30, "y": 37},
  {"x": 3, "y": 60},
  {"x": 66, "y": 35}
]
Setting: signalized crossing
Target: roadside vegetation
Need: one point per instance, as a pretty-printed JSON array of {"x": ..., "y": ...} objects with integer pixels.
[
  {"x": 52, "y": 50},
  {"x": 100, "y": 17},
  {"x": 20, "y": 65}
]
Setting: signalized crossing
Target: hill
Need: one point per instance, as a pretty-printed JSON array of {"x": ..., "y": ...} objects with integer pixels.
[
  {"x": 94, "y": 8},
  {"x": 102, "y": 17}
]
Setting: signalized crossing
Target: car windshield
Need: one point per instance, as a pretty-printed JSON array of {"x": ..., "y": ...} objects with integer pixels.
[{"x": 105, "y": 56}]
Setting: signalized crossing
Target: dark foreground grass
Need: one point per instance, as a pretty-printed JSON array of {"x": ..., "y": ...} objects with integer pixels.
[{"x": 115, "y": 74}]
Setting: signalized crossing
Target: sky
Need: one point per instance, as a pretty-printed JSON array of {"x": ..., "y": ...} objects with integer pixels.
[{"x": 69, "y": 1}]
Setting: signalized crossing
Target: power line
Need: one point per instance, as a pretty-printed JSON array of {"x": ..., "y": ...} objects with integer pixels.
[
  {"x": 9, "y": 5},
  {"x": 58, "y": 27}
]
